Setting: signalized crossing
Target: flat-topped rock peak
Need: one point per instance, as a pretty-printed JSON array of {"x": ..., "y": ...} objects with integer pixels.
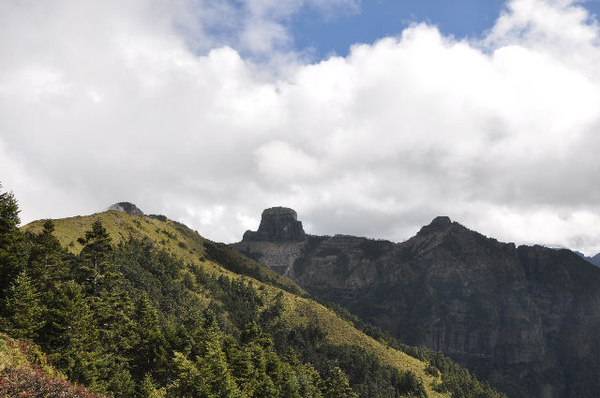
[{"x": 278, "y": 224}]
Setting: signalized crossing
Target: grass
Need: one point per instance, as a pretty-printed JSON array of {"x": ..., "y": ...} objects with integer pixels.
[
  {"x": 189, "y": 246},
  {"x": 172, "y": 236},
  {"x": 17, "y": 355}
]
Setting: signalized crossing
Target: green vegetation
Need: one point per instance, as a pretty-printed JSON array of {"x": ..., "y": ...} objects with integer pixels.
[
  {"x": 124, "y": 308},
  {"x": 25, "y": 372}
]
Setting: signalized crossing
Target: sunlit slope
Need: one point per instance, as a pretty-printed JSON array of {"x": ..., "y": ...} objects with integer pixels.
[
  {"x": 219, "y": 259},
  {"x": 172, "y": 236},
  {"x": 26, "y": 371}
]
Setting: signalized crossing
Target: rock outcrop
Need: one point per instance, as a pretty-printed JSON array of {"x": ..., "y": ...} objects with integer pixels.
[
  {"x": 524, "y": 318},
  {"x": 127, "y": 207},
  {"x": 278, "y": 242},
  {"x": 278, "y": 224}
]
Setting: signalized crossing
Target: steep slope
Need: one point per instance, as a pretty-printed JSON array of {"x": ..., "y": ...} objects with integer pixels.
[
  {"x": 216, "y": 278},
  {"x": 595, "y": 260},
  {"x": 25, "y": 372},
  {"x": 525, "y": 318},
  {"x": 177, "y": 239}
]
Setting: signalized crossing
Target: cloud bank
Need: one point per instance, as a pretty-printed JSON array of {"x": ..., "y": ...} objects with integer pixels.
[{"x": 204, "y": 111}]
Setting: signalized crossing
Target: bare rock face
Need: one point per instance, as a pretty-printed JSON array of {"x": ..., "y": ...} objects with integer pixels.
[
  {"x": 438, "y": 223},
  {"x": 279, "y": 241},
  {"x": 127, "y": 207},
  {"x": 278, "y": 224},
  {"x": 523, "y": 318}
]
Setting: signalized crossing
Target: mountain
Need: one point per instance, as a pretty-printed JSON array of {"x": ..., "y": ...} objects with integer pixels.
[
  {"x": 523, "y": 318},
  {"x": 594, "y": 260},
  {"x": 142, "y": 306},
  {"x": 127, "y": 207}
]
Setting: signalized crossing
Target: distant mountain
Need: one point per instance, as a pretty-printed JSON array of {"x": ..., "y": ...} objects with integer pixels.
[
  {"x": 595, "y": 260},
  {"x": 142, "y": 306},
  {"x": 523, "y": 318}
]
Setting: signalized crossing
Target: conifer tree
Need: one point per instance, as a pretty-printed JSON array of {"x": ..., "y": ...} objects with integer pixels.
[
  {"x": 45, "y": 262},
  {"x": 190, "y": 382},
  {"x": 149, "y": 352},
  {"x": 11, "y": 241},
  {"x": 213, "y": 365},
  {"x": 310, "y": 382},
  {"x": 70, "y": 335},
  {"x": 24, "y": 308},
  {"x": 337, "y": 386},
  {"x": 95, "y": 270}
]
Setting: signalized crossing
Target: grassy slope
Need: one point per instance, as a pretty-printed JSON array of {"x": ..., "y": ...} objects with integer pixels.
[
  {"x": 12, "y": 356},
  {"x": 191, "y": 247},
  {"x": 174, "y": 237},
  {"x": 26, "y": 372}
]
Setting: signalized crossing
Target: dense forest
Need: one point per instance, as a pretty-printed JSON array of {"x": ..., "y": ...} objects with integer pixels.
[{"x": 131, "y": 319}]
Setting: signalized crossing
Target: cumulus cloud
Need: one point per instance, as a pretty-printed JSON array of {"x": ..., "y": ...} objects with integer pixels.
[
  {"x": 256, "y": 28},
  {"x": 166, "y": 104},
  {"x": 279, "y": 161}
]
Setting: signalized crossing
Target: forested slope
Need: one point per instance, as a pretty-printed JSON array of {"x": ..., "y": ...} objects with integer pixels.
[
  {"x": 140, "y": 306},
  {"x": 523, "y": 318}
]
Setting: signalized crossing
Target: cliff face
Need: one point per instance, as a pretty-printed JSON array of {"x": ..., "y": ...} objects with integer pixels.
[
  {"x": 278, "y": 224},
  {"x": 279, "y": 241},
  {"x": 525, "y": 318}
]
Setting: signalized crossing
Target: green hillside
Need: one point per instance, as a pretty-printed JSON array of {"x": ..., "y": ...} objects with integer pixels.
[
  {"x": 25, "y": 372},
  {"x": 141, "y": 306},
  {"x": 171, "y": 236}
]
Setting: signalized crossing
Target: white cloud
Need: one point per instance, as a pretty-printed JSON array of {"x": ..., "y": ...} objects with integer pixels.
[
  {"x": 164, "y": 104},
  {"x": 280, "y": 161}
]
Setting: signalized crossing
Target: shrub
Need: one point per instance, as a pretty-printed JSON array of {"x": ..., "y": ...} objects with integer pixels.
[{"x": 34, "y": 384}]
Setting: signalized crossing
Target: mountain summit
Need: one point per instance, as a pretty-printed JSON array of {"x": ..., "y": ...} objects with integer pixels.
[
  {"x": 278, "y": 224},
  {"x": 127, "y": 207},
  {"x": 524, "y": 318},
  {"x": 438, "y": 223}
]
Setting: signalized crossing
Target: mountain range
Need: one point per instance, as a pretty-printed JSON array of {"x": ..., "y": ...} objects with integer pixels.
[
  {"x": 135, "y": 305},
  {"x": 523, "y": 318},
  {"x": 594, "y": 259}
]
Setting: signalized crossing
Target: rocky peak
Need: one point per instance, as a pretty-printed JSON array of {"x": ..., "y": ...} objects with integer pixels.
[
  {"x": 278, "y": 224},
  {"x": 127, "y": 207},
  {"x": 438, "y": 223}
]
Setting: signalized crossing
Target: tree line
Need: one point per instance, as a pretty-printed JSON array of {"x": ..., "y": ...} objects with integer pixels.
[{"x": 131, "y": 320}]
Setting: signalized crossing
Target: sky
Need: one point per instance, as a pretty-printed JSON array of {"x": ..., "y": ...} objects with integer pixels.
[{"x": 368, "y": 118}]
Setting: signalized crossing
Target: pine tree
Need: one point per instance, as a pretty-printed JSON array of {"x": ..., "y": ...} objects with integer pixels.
[
  {"x": 94, "y": 269},
  {"x": 46, "y": 258},
  {"x": 213, "y": 365},
  {"x": 190, "y": 381},
  {"x": 149, "y": 352},
  {"x": 310, "y": 382},
  {"x": 11, "y": 244},
  {"x": 148, "y": 389},
  {"x": 71, "y": 335},
  {"x": 337, "y": 386},
  {"x": 24, "y": 308}
]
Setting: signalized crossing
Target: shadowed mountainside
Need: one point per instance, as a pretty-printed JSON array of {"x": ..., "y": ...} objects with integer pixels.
[
  {"x": 222, "y": 323},
  {"x": 524, "y": 318}
]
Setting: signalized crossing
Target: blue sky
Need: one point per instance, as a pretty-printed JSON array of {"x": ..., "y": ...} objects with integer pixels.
[
  {"x": 376, "y": 19},
  {"x": 380, "y": 18},
  {"x": 209, "y": 111}
]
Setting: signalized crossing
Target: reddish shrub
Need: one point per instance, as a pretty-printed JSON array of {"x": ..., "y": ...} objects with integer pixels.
[{"x": 28, "y": 383}]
